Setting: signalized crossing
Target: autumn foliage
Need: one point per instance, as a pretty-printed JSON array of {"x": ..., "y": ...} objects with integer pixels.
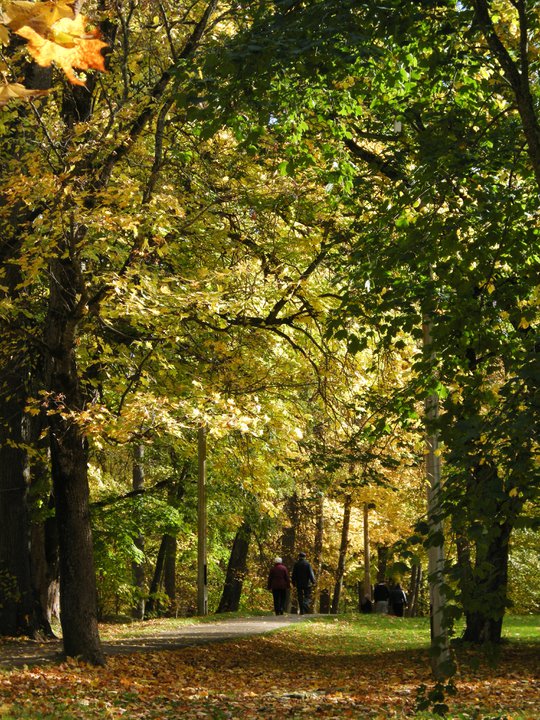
[
  {"x": 327, "y": 669},
  {"x": 55, "y": 34}
]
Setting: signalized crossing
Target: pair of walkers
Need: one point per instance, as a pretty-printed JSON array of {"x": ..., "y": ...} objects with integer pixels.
[
  {"x": 302, "y": 578},
  {"x": 392, "y": 600}
]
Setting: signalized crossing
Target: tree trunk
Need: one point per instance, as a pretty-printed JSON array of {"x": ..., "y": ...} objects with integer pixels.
[
  {"x": 414, "y": 590},
  {"x": 169, "y": 573},
  {"x": 138, "y": 566},
  {"x": 367, "y": 558},
  {"x": 382, "y": 562},
  {"x": 319, "y": 537},
  {"x": 22, "y": 605},
  {"x": 236, "y": 571},
  {"x": 152, "y": 604},
  {"x": 342, "y": 554},
  {"x": 46, "y": 569},
  {"x": 21, "y": 612},
  {"x": 489, "y": 590},
  {"x": 16, "y": 607},
  {"x": 69, "y": 460}
]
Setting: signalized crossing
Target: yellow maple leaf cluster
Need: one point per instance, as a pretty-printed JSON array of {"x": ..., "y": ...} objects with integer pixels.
[{"x": 55, "y": 34}]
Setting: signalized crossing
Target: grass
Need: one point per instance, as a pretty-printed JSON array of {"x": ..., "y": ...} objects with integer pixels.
[{"x": 366, "y": 631}]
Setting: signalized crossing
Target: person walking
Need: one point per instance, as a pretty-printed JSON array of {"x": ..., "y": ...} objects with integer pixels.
[
  {"x": 380, "y": 596},
  {"x": 303, "y": 580},
  {"x": 279, "y": 582},
  {"x": 398, "y": 600}
]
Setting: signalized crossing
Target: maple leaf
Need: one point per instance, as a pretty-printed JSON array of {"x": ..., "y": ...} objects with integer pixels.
[
  {"x": 72, "y": 46},
  {"x": 4, "y": 35},
  {"x": 39, "y": 16},
  {"x": 16, "y": 91}
]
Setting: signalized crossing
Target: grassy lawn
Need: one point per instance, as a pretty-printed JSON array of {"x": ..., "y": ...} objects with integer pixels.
[{"x": 331, "y": 667}]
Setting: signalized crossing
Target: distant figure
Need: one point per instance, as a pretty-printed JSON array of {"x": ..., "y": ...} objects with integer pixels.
[
  {"x": 366, "y": 606},
  {"x": 380, "y": 596},
  {"x": 398, "y": 600},
  {"x": 303, "y": 580},
  {"x": 279, "y": 582}
]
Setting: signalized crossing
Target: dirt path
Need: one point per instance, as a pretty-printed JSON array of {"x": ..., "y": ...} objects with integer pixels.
[{"x": 17, "y": 653}]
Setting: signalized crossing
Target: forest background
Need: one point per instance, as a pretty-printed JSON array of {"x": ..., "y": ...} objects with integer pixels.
[{"x": 308, "y": 228}]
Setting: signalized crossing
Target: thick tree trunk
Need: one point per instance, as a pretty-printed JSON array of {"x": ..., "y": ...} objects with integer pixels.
[
  {"x": 16, "y": 608},
  {"x": 20, "y": 610},
  {"x": 69, "y": 459},
  {"x": 489, "y": 590},
  {"x": 340, "y": 571},
  {"x": 236, "y": 571}
]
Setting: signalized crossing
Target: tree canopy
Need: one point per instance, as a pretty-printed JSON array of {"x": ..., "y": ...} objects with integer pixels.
[{"x": 242, "y": 217}]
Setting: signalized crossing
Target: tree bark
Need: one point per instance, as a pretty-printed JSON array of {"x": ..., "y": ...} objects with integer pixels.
[
  {"x": 340, "y": 571},
  {"x": 382, "y": 562},
  {"x": 20, "y": 610},
  {"x": 489, "y": 587},
  {"x": 414, "y": 590},
  {"x": 16, "y": 608},
  {"x": 152, "y": 604},
  {"x": 367, "y": 557},
  {"x": 319, "y": 537},
  {"x": 69, "y": 462},
  {"x": 236, "y": 571},
  {"x": 169, "y": 573},
  {"x": 138, "y": 567}
]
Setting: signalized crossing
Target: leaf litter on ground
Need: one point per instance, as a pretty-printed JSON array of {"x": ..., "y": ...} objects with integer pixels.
[{"x": 317, "y": 669}]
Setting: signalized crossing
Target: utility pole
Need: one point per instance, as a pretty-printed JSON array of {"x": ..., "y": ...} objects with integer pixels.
[
  {"x": 202, "y": 574},
  {"x": 439, "y": 637}
]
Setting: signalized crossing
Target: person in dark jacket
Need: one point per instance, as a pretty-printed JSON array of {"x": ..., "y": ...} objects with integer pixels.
[
  {"x": 279, "y": 582},
  {"x": 380, "y": 596},
  {"x": 398, "y": 600},
  {"x": 303, "y": 580}
]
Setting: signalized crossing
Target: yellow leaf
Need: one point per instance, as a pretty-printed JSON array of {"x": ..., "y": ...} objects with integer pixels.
[
  {"x": 39, "y": 16},
  {"x": 4, "y": 35},
  {"x": 16, "y": 91},
  {"x": 523, "y": 324},
  {"x": 83, "y": 54}
]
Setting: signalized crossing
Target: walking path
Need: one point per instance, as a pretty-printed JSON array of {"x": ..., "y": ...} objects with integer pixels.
[{"x": 17, "y": 653}]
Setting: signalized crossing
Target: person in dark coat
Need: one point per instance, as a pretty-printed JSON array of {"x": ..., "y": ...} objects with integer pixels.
[
  {"x": 380, "y": 596},
  {"x": 279, "y": 582},
  {"x": 303, "y": 580},
  {"x": 398, "y": 600},
  {"x": 366, "y": 606}
]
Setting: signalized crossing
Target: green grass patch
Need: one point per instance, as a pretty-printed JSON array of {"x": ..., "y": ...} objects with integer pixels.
[{"x": 360, "y": 634}]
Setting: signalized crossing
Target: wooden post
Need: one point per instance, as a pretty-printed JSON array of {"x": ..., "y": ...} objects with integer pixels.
[{"x": 202, "y": 573}]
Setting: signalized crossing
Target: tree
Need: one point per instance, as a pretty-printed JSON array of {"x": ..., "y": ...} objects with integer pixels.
[
  {"x": 411, "y": 150},
  {"x": 68, "y": 223}
]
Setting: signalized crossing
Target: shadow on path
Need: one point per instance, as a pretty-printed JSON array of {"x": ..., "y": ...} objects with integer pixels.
[{"x": 20, "y": 652}]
